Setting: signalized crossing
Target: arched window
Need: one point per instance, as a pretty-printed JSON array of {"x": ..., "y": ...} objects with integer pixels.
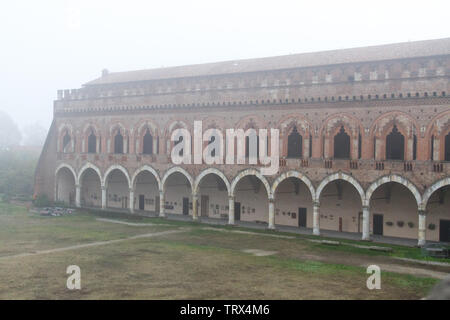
[
  {"x": 447, "y": 147},
  {"x": 66, "y": 142},
  {"x": 395, "y": 145},
  {"x": 92, "y": 143},
  {"x": 342, "y": 145},
  {"x": 118, "y": 143},
  {"x": 147, "y": 143},
  {"x": 295, "y": 144}
]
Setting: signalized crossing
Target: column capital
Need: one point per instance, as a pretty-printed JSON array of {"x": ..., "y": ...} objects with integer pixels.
[
  {"x": 131, "y": 189},
  {"x": 271, "y": 200},
  {"x": 77, "y": 185},
  {"x": 316, "y": 204},
  {"x": 230, "y": 197},
  {"x": 422, "y": 212},
  {"x": 103, "y": 188},
  {"x": 366, "y": 207}
]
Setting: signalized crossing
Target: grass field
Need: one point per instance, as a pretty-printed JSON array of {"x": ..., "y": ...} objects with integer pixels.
[{"x": 182, "y": 260}]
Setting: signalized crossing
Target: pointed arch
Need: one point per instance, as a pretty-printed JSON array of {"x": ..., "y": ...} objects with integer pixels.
[
  {"x": 341, "y": 176},
  {"x": 148, "y": 169},
  {"x": 214, "y": 171},
  {"x": 251, "y": 172},
  {"x": 179, "y": 170},
  {"x": 431, "y": 189},
  {"x": 68, "y": 166},
  {"x": 394, "y": 178},
  {"x": 293, "y": 174},
  {"x": 90, "y": 166},
  {"x": 116, "y": 167}
]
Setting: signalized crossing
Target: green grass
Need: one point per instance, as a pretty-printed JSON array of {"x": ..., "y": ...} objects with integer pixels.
[{"x": 197, "y": 263}]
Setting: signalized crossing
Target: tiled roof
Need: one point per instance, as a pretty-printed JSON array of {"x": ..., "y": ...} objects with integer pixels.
[{"x": 363, "y": 54}]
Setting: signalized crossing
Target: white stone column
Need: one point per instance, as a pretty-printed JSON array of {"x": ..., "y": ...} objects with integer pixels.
[
  {"x": 103, "y": 197},
  {"x": 306, "y": 148},
  {"x": 162, "y": 204},
  {"x": 131, "y": 204},
  {"x": 231, "y": 210},
  {"x": 271, "y": 214},
  {"x": 436, "y": 147},
  {"x": 194, "y": 207},
  {"x": 316, "y": 218},
  {"x": 77, "y": 196},
  {"x": 422, "y": 228},
  {"x": 366, "y": 223}
]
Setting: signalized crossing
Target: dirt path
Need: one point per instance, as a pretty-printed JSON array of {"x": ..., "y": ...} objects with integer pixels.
[{"x": 93, "y": 244}]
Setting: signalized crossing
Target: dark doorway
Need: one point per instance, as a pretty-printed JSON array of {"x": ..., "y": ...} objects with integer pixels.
[
  {"x": 237, "y": 211},
  {"x": 295, "y": 144},
  {"x": 340, "y": 224},
  {"x": 92, "y": 143},
  {"x": 395, "y": 145},
  {"x": 185, "y": 206},
  {"x": 378, "y": 224},
  {"x": 342, "y": 145},
  {"x": 447, "y": 147},
  {"x": 147, "y": 143},
  {"x": 141, "y": 202},
  {"x": 302, "y": 217},
  {"x": 444, "y": 230},
  {"x": 118, "y": 143},
  {"x": 204, "y": 206}
]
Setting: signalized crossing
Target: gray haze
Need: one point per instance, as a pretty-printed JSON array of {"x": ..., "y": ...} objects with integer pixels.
[{"x": 50, "y": 45}]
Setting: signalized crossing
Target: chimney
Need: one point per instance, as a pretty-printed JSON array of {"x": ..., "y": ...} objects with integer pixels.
[{"x": 105, "y": 72}]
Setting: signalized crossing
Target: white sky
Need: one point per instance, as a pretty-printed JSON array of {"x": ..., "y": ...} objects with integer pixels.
[{"x": 48, "y": 45}]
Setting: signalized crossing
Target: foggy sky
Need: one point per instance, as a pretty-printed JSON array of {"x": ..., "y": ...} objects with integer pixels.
[{"x": 49, "y": 45}]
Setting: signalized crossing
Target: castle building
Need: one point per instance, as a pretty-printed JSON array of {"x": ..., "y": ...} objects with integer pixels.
[{"x": 364, "y": 141}]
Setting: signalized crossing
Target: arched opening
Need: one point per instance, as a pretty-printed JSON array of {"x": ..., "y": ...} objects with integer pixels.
[
  {"x": 395, "y": 145},
  {"x": 438, "y": 215},
  {"x": 293, "y": 204},
  {"x": 92, "y": 143},
  {"x": 147, "y": 147},
  {"x": 67, "y": 147},
  {"x": 295, "y": 144},
  {"x": 447, "y": 147},
  {"x": 146, "y": 192},
  {"x": 117, "y": 192},
  {"x": 342, "y": 145},
  {"x": 394, "y": 211},
  {"x": 178, "y": 194},
  {"x": 91, "y": 190},
  {"x": 118, "y": 143},
  {"x": 251, "y": 201},
  {"x": 341, "y": 207},
  {"x": 65, "y": 186},
  {"x": 213, "y": 197}
]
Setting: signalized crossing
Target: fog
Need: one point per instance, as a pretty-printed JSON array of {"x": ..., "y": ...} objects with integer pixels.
[{"x": 50, "y": 45}]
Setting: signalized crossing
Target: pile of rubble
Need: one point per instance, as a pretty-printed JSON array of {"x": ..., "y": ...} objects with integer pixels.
[{"x": 53, "y": 211}]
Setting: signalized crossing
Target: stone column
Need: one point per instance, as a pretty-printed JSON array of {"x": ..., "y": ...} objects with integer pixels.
[
  {"x": 271, "y": 214},
  {"x": 103, "y": 197},
  {"x": 326, "y": 147},
  {"x": 194, "y": 207},
  {"x": 231, "y": 210},
  {"x": 131, "y": 205},
  {"x": 316, "y": 218},
  {"x": 306, "y": 147},
  {"x": 162, "y": 203},
  {"x": 354, "y": 155},
  {"x": 77, "y": 196},
  {"x": 366, "y": 223},
  {"x": 422, "y": 228},
  {"x": 436, "y": 147}
]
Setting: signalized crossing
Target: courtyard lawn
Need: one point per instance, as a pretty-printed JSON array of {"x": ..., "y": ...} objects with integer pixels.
[{"x": 183, "y": 260}]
